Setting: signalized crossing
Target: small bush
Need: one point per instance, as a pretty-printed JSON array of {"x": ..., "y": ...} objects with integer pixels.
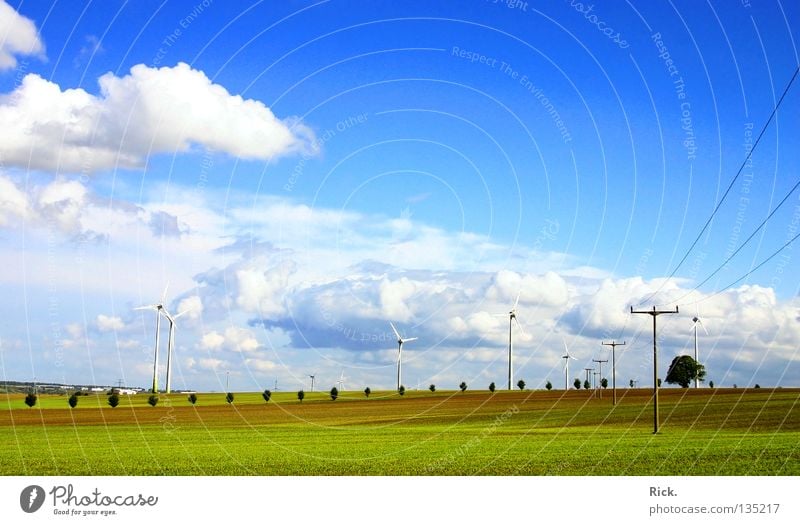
[
  {"x": 757, "y": 386},
  {"x": 334, "y": 393},
  {"x": 193, "y": 398},
  {"x": 432, "y": 388},
  {"x": 229, "y": 397},
  {"x": 521, "y": 384},
  {"x": 30, "y": 400},
  {"x": 266, "y": 395},
  {"x": 152, "y": 400},
  {"x": 113, "y": 400},
  {"x": 548, "y": 385},
  {"x": 492, "y": 387},
  {"x": 73, "y": 401},
  {"x": 367, "y": 391},
  {"x": 463, "y": 386}
]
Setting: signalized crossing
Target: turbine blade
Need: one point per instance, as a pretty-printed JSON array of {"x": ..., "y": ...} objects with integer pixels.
[
  {"x": 164, "y": 295},
  {"x": 410, "y": 339},
  {"x": 182, "y": 313},
  {"x": 521, "y": 328},
  {"x": 516, "y": 302},
  {"x": 702, "y": 325},
  {"x": 395, "y": 330},
  {"x": 148, "y": 307}
]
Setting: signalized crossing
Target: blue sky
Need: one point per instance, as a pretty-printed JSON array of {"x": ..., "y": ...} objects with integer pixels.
[{"x": 302, "y": 173}]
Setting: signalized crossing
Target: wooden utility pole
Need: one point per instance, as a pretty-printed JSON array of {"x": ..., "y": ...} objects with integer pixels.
[{"x": 614, "y": 345}]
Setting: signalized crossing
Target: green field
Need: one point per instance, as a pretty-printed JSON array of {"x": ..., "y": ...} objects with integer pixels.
[{"x": 704, "y": 432}]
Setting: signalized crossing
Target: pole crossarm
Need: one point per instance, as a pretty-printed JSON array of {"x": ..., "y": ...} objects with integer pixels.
[{"x": 655, "y": 313}]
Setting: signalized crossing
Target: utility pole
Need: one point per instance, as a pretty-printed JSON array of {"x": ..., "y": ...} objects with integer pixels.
[
  {"x": 601, "y": 361},
  {"x": 227, "y": 381},
  {"x": 655, "y": 313},
  {"x": 614, "y": 345},
  {"x": 588, "y": 371}
]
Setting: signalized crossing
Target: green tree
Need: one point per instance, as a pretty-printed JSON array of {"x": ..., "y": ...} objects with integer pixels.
[
  {"x": 73, "y": 401},
  {"x": 229, "y": 397},
  {"x": 521, "y": 384},
  {"x": 548, "y": 385},
  {"x": 577, "y": 384},
  {"x": 631, "y": 383},
  {"x": 432, "y": 388},
  {"x": 113, "y": 400},
  {"x": 492, "y": 387},
  {"x": 193, "y": 398},
  {"x": 152, "y": 400},
  {"x": 367, "y": 391},
  {"x": 604, "y": 382},
  {"x": 711, "y": 384},
  {"x": 659, "y": 382},
  {"x": 30, "y": 400},
  {"x": 334, "y": 393},
  {"x": 683, "y": 370},
  {"x": 266, "y": 395},
  {"x": 301, "y": 395},
  {"x": 462, "y": 386},
  {"x": 586, "y": 385},
  {"x": 401, "y": 390},
  {"x": 757, "y": 386}
]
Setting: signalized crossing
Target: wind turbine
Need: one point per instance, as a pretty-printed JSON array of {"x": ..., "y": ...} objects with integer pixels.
[
  {"x": 158, "y": 307},
  {"x": 312, "y": 376},
  {"x": 566, "y": 357},
  {"x": 400, "y": 342},
  {"x": 171, "y": 343},
  {"x": 512, "y": 317},
  {"x": 340, "y": 382},
  {"x": 697, "y": 321}
]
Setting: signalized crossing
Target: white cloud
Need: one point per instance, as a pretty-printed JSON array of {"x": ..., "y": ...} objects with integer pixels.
[
  {"x": 18, "y": 36},
  {"x": 14, "y": 202},
  {"x": 192, "y": 305},
  {"x": 109, "y": 324},
  {"x": 149, "y": 111},
  {"x": 212, "y": 341},
  {"x": 260, "y": 365},
  {"x": 234, "y": 339}
]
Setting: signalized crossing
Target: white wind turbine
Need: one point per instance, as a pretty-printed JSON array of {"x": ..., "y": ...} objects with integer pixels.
[
  {"x": 171, "y": 343},
  {"x": 159, "y": 308},
  {"x": 566, "y": 357},
  {"x": 512, "y": 317},
  {"x": 312, "y": 376},
  {"x": 340, "y": 382},
  {"x": 400, "y": 342},
  {"x": 697, "y": 321}
]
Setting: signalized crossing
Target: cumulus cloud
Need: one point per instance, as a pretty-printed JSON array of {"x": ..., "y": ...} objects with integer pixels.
[
  {"x": 149, "y": 111},
  {"x": 234, "y": 339},
  {"x": 109, "y": 324},
  {"x": 18, "y": 36}
]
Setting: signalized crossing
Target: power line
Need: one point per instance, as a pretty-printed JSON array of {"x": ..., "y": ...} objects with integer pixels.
[
  {"x": 730, "y": 185},
  {"x": 721, "y": 266}
]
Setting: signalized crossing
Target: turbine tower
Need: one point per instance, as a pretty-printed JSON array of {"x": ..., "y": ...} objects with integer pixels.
[
  {"x": 697, "y": 321},
  {"x": 158, "y": 307},
  {"x": 340, "y": 382},
  {"x": 400, "y": 342},
  {"x": 171, "y": 343},
  {"x": 312, "y": 376},
  {"x": 512, "y": 318},
  {"x": 566, "y": 357}
]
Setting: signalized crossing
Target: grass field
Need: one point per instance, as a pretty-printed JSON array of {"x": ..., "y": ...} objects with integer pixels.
[{"x": 704, "y": 432}]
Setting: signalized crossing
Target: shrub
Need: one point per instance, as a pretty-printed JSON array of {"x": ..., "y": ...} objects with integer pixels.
[
  {"x": 335, "y": 393},
  {"x": 521, "y": 384},
  {"x": 73, "y": 401},
  {"x": 548, "y": 385},
  {"x": 367, "y": 391},
  {"x": 229, "y": 397},
  {"x": 432, "y": 388},
  {"x": 492, "y": 387},
  {"x": 113, "y": 400},
  {"x": 152, "y": 400},
  {"x": 193, "y": 398},
  {"x": 30, "y": 400},
  {"x": 462, "y": 386},
  {"x": 266, "y": 395}
]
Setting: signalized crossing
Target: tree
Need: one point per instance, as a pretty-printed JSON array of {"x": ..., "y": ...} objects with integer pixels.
[
  {"x": 659, "y": 382},
  {"x": 73, "y": 401},
  {"x": 586, "y": 385},
  {"x": 604, "y": 382},
  {"x": 631, "y": 383},
  {"x": 30, "y": 400},
  {"x": 266, "y": 395},
  {"x": 548, "y": 385},
  {"x": 334, "y": 393},
  {"x": 683, "y": 370},
  {"x": 301, "y": 395},
  {"x": 757, "y": 386},
  {"x": 577, "y": 384},
  {"x": 521, "y": 384},
  {"x": 193, "y": 398},
  {"x": 152, "y": 400},
  {"x": 401, "y": 390},
  {"x": 492, "y": 387},
  {"x": 113, "y": 400},
  {"x": 367, "y": 391},
  {"x": 711, "y": 384},
  {"x": 462, "y": 386},
  {"x": 229, "y": 397},
  {"x": 432, "y": 388}
]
